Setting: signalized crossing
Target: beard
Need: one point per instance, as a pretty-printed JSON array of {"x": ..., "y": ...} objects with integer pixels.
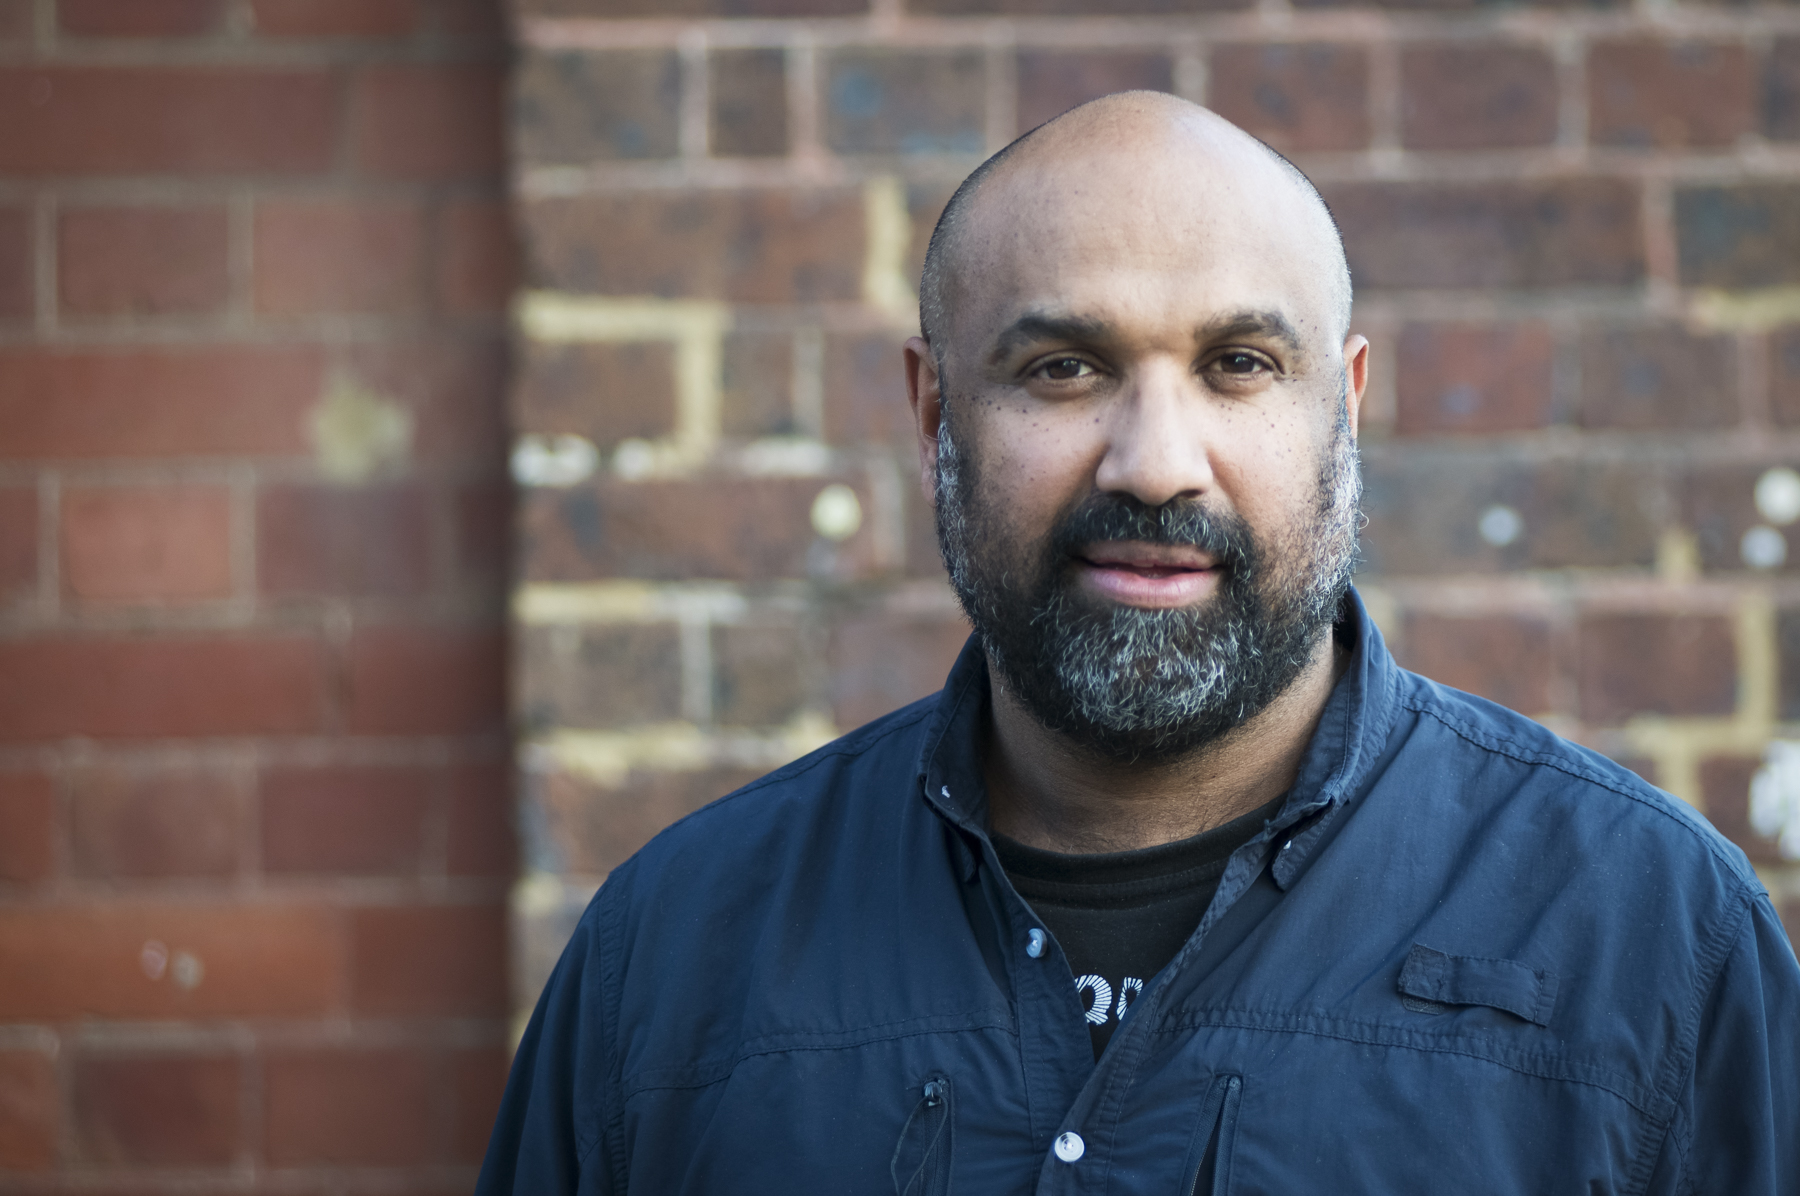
[{"x": 1130, "y": 683}]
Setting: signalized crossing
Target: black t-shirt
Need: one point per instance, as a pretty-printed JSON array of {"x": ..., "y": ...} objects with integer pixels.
[{"x": 1121, "y": 916}]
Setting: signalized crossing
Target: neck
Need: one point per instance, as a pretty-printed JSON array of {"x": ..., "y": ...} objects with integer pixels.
[{"x": 1047, "y": 791}]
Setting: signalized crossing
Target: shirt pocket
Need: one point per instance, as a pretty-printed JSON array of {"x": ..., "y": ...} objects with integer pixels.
[
  {"x": 922, "y": 1157},
  {"x": 1207, "y": 1171},
  {"x": 1432, "y": 981}
]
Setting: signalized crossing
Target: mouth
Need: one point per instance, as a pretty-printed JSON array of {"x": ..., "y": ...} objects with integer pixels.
[{"x": 1134, "y": 573}]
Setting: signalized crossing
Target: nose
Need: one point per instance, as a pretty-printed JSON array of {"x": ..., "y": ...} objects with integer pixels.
[{"x": 1156, "y": 443}]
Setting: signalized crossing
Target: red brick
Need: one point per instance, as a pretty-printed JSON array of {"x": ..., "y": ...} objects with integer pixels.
[
  {"x": 260, "y": 960},
  {"x": 1787, "y": 638},
  {"x": 1657, "y": 94},
  {"x": 694, "y": 8},
  {"x": 110, "y": 686},
  {"x": 1505, "y": 659},
  {"x": 1725, "y": 796},
  {"x": 1781, "y": 91},
  {"x": 18, "y": 541},
  {"x": 17, "y": 273},
  {"x": 886, "y": 101},
  {"x": 881, "y": 662},
  {"x": 481, "y": 837},
  {"x": 138, "y": 18},
  {"x": 477, "y": 1078},
  {"x": 1790, "y": 918},
  {"x": 598, "y": 677},
  {"x": 484, "y": 20},
  {"x": 30, "y": 1111},
  {"x": 1297, "y": 98},
  {"x": 769, "y": 245},
  {"x": 335, "y": 18},
  {"x": 429, "y": 121},
  {"x": 430, "y": 961},
  {"x": 362, "y": 820},
  {"x": 1655, "y": 664},
  {"x": 1739, "y": 236},
  {"x": 1053, "y": 81},
  {"x": 747, "y": 90},
  {"x": 760, "y": 673},
  {"x": 745, "y": 529},
  {"x": 1657, "y": 377},
  {"x": 1460, "y": 95},
  {"x": 141, "y": 261},
  {"x": 426, "y": 680},
  {"x": 478, "y": 259},
  {"x": 16, "y": 19},
  {"x": 1072, "y": 7},
  {"x": 146, "y": 543},
  {"x": 596, "y": 829},
  {"x": 483, "y": 529},
  {"x": 153, "y": 823},
  {"x": 1718, "y": 504},
  {"x": 339, "y": 256},
  {"x": 1473, "y": 378},
  {"x": 1555, "y": 232},
  {"x": 451, "y": 383},
  {"x": 605, "y": 392},
  {"x": 161, "y": 1109},
  {"x": 577, "y": 107},
  {"x": 181, "y": 120},
  {"x": 342, "y": 541},
  {"x": 369, "y": 1108},
  {"x": 27, "y": 827},
  {"x": 756, "y": 384}
]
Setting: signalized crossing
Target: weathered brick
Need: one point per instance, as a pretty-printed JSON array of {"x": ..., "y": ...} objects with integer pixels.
[
  {"x": 1718, "y": 504},
  {"x": 436, "y": 121},
  {"x": 1298, "y": 98},
  {"x": 1504, "y": 658},
  {"x": 1787, "y": 637},
  {"x": 760, "y": 673},
  {"x": 1425, "y": 508},
  {"x": 141, "y": 261},
  {"x": 757, "y": 384},
  {"x": 881, "y": 101},
  {"x": 335, "y": 18},
  {"x": 1460, "y": 5},
  {"x": 1725, "y": 794},
  {"x": 1790, "y": 918},
  {"x": 477, "y": 257},
  {"x": 881, "y": 662},
  {"x": 17, "y": 269},
  {"x": 189, "y": 119},
  {"x": 1053, "y": 81},
  {"x": 18, "y": 541},
  {"x": 747, "y": 90},
  {"x": 344, "y": 819},
  {"x": 480, "y": 840},
  {"x": 865, "y": 390},
  {"x": 16, "y": 20},
  {"x": 1108, "y": 8},
  {"x": 370, "y": 1108},
  {"x": 450, "y": 382},
  {"x": 573, "y": 107},
  {"x": 923, "y": 558},
  {"x": 769, "y": 245},
  {"x": 1478, "y": 378},
  {"x": 342, "y": 541},
  {"x": 432, "y": 961},
  {"x": 694, "y": 8},
  {"x": 153, "y": 822},
  {"x": 605, "y": 392},
  {"x": 157, "y": 402},
  {"x": 1655, "y": 664},
  {"x": 481, "y": 21},
  {"x": 1744, "y": 235},
  {"x": 425, "y": 681},
  {"x": 319, "y": 256},
  {"x": 924, "y": 204},
  {"x": 1663, "y": 94},
  {"x": 1530, "y": 234},
  {"x": 1781, "y": 90},
  {"x": 477, "y": 1080},
  {"x": 138, "y": 18},
  {"x": 146, "y": 543},
  {"x": 1481, "y": 95},
  {"x": 596, "y": 829},
  {"x": 162, "y": 1109},
  {"x": 599, "y": 676},
  {"x": 1784, "y": 375},
  {"x": 109, "y": 686},
  {"x": 27, "y": 831},
  {"x": 482, "y": 533},
  {"x": 261, "y": 960},
  {"x": 1657, "y": 377},
  {"x": 30, "y": 1111},
  {"x": 745, "y": 529}
]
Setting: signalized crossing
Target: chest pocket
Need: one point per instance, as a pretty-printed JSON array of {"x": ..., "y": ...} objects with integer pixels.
[
  {"x": 1432, "y": 981},
  {"x": 921, "y": 1163},
  {"x": 1210, "y": 1153}
]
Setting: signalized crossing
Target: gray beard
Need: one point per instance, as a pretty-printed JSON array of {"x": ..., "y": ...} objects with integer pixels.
[{"x": 1129, "y": 683}]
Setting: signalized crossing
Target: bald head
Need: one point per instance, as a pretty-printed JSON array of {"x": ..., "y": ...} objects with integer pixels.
[{"x": 1138, "y": 160}]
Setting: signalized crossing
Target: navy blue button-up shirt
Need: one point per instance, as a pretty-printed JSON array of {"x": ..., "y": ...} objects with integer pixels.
[{"x": 1467, "y": 956}]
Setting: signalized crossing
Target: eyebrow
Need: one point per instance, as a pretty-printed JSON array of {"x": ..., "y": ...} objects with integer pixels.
[{"x": 1037, "y": 326}]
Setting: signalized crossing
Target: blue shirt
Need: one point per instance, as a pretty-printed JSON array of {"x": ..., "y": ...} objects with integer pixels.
[{"x": 1466, "y": 956}]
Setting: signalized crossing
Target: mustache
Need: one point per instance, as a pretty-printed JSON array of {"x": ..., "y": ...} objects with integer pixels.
[{"x": 1101, "y": 517}]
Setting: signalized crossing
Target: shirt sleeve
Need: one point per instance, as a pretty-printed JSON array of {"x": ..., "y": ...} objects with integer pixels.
[
  {"x": 546, "y": 1139},
  {"x": 1742, "y": 1105}
]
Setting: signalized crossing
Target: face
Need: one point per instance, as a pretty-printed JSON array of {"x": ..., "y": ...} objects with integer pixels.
[{"x": 1145, "y": 480}]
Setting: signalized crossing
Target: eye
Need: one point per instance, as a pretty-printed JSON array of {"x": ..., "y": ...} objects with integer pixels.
[
  {"x": 1239, "y": 363},
  {"x": 1064, "y": 369}
]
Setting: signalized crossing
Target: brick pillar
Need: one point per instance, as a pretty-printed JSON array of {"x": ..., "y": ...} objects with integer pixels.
[{"x": 254, "y": 780}]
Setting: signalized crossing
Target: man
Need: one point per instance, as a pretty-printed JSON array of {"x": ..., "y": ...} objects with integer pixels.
[{"x": 1180, "y": 885}]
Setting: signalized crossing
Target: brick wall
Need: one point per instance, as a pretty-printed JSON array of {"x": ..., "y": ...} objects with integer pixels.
[
  {"x": 1576, "y": 236},
  {"x": 254, "y": 782}
]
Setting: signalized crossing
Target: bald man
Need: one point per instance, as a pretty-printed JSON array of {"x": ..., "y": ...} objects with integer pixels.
[{"x": 1180, "y": 885}]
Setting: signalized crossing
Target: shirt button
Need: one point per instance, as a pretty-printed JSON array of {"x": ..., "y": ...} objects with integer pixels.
[
  {"x": 1034, "y": 947},
  {"x": 1069, "y": 1146}
]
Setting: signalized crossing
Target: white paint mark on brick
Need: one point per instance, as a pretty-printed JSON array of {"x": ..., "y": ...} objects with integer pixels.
[
  {"x": 607, "y": 757},
  {"x": 553, "y": 460},
  {"x": 785, "y": 456},
  {"x": 889, "y": 232},
  {"x": 836, "y": 512},
  {"x": 1745, "y": 311},
  {"x": 1775, "y": 798},
  {"x": 154, "y": 959},
  {"x": 1763, "y": 548},
  {"x": 187, "y": 971},
  {"x": 356, "y": 432},
  {"x": 1500, "y": 525},
  {"x": 1778, "y": 496}
]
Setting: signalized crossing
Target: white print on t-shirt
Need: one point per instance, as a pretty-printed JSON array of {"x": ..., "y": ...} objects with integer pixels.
[{"x": 1097, "y": 995}]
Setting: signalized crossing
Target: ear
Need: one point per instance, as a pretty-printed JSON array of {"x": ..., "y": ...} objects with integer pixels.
[
  {"x": 922, "y": 391},
  {"x": 1356, "y": 370}
]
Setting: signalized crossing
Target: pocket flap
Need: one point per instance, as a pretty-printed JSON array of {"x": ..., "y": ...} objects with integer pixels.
[{"x": 1468, "y": 980}]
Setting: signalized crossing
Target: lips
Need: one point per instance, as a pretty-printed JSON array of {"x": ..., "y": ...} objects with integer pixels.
[{"x": 1135, "y": 573}]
